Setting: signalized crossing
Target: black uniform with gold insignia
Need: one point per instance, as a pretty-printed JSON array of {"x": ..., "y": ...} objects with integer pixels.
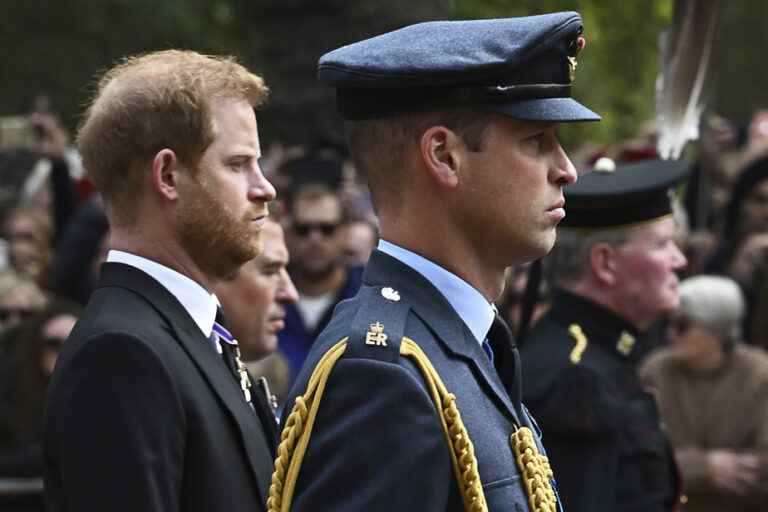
[
  {"x": 601, "y": 428},
  {"x": 377, "y": 443}
]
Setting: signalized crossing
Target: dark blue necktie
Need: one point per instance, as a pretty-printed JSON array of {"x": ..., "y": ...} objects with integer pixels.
[
  {"x": 503, "y": 353},
  {"x": 488, "y": 350}
]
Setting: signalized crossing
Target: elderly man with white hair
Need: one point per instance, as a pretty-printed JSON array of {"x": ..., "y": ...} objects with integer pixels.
[{"x": 713, "y": 396}]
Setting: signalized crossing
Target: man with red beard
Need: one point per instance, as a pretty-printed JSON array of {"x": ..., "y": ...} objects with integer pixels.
[
  {"x": 614, "y": 270},
  {"x": 150, "y": 408}
]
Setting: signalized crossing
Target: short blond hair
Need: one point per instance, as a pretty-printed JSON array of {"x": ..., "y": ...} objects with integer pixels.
[{"x": 150, "y": 102}]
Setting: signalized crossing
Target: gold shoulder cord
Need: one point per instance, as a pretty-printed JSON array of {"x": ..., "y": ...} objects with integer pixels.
[
  {"x": 581, "y": 342},
  {"x": 298, "y": 429}
]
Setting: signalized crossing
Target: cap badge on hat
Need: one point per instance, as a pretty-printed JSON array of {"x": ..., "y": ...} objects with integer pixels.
[
  {"x": 604, "y": 165},
  {"x": 576, "y": 46}
]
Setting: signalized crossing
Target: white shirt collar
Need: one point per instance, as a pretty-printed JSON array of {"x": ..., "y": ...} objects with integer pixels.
[
  {"x": 200, "y": 304},
  {"x": 476, "y": 312}
]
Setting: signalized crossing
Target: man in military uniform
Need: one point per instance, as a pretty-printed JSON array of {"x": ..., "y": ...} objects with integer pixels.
[
  {"x": 613, "y": 267},
  {"x": 453, "y": 124}
]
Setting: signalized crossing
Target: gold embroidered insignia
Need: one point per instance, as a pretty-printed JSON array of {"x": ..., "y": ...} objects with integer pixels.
[
  {"x": 376, "y": 336},
  {"x": 581, "y": 342},
  {"x": 390, "y": 294},
  {"x": 576, "y": 46},
  {"x": 626, "y": 343},
  {"x": 572, "y": 65}
]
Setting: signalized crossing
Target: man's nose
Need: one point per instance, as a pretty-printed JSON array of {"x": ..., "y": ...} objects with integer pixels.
[
  {"x": 562, "y": 170},
  {"x": 286, "y": 291},
  {"x": 260, "y": 188}
]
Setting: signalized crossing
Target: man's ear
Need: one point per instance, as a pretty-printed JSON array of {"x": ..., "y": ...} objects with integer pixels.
[
  {"x": 602, "y": 260},
  {"x": 441, "y": 153},
  {"x": 165, "y": 174}
]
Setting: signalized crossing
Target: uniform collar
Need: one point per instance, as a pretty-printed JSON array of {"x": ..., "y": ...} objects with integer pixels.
[
  {"x": 601, "y": 325},
  {"x": 476, "y": 312},
  {"x": 200, "y": 304}
]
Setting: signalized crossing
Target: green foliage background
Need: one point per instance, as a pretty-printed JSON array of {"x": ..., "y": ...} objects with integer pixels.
[
  {"x": 617, "y": 69},
  {"x": 58, "y": 47}
]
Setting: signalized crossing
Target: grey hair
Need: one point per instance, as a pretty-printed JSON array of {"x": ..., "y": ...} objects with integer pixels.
[
  {"x": 569, "y": 259},
  {"x": 716, "y": 303}
]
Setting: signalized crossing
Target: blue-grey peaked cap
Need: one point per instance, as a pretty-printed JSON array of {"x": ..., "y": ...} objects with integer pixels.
[{"x": 521, "y": 67}]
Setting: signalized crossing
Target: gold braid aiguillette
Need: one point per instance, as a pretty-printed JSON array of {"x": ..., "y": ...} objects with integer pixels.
[{"x": 535, "y": 471}]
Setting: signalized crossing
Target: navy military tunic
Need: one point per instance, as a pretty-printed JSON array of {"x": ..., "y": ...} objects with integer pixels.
[
  {"x": 601, "y": 427},
  {"x": 377, "y": 443}
]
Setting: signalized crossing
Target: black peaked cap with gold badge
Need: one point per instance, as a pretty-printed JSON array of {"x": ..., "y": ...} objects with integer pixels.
[
  {"x": 624, "y": 196},
  {"x": 520, "y": 67}
]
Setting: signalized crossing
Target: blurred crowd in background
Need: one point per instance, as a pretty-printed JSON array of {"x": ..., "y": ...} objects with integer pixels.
[{"x": 55, "y": 235}]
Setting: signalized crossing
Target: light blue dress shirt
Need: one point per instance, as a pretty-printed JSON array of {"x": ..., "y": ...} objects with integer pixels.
[{"x": 476, "y": 312}]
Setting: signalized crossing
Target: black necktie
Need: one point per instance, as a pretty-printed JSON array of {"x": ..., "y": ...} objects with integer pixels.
[{"x": 506, "y": 359}]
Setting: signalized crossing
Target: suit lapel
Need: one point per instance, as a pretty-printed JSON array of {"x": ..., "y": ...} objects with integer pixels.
[
  {"x": 210, "y": 365},
  {"x": 438, "y": 314}
]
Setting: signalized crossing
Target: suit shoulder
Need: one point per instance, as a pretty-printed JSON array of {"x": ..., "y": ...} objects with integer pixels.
[
  {"x": 119, "y": 311},
  {"x": 116, "y": 346}
]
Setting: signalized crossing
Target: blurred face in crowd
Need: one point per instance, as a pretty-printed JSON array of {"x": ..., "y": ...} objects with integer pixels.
[
  {"x": 54, "y": 334},
  {"x": 360, "y": 241},
  {"x": 315, "y": 238},
  {"x": 223, "y": 206},
  {"x": 754, "y": 209},
  {"x": 255, "y": 300},
  {"x": 19, "y": 304},
  {"x": 721, "y": 178},
  {"x": 27, "y": 248},
  {"x": 645, "y": 268},
  {"x": 512, "y": 195},
  {"x": 691, "y": 343}
]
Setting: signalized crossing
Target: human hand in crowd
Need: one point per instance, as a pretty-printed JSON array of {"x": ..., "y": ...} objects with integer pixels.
[
  {"x": 752, "y": 254},
  {"x": 733, "y": 472},
  {"x": 51, "y": 138}
]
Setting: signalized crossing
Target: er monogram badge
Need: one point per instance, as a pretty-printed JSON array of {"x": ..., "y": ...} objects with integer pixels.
[{"x": 376, "y": 336}]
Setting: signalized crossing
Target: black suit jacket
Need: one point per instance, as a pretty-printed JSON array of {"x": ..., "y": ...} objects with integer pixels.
[
  {"x": 143, "y": 414},
  {"x": 377, "y": 442}
]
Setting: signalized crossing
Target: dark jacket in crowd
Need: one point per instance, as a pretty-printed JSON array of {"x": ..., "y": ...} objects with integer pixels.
[
  {"x": 296, "y": 338},
  {"x": 601, "y": 428},
  {"x": 73, "y": 274}
]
